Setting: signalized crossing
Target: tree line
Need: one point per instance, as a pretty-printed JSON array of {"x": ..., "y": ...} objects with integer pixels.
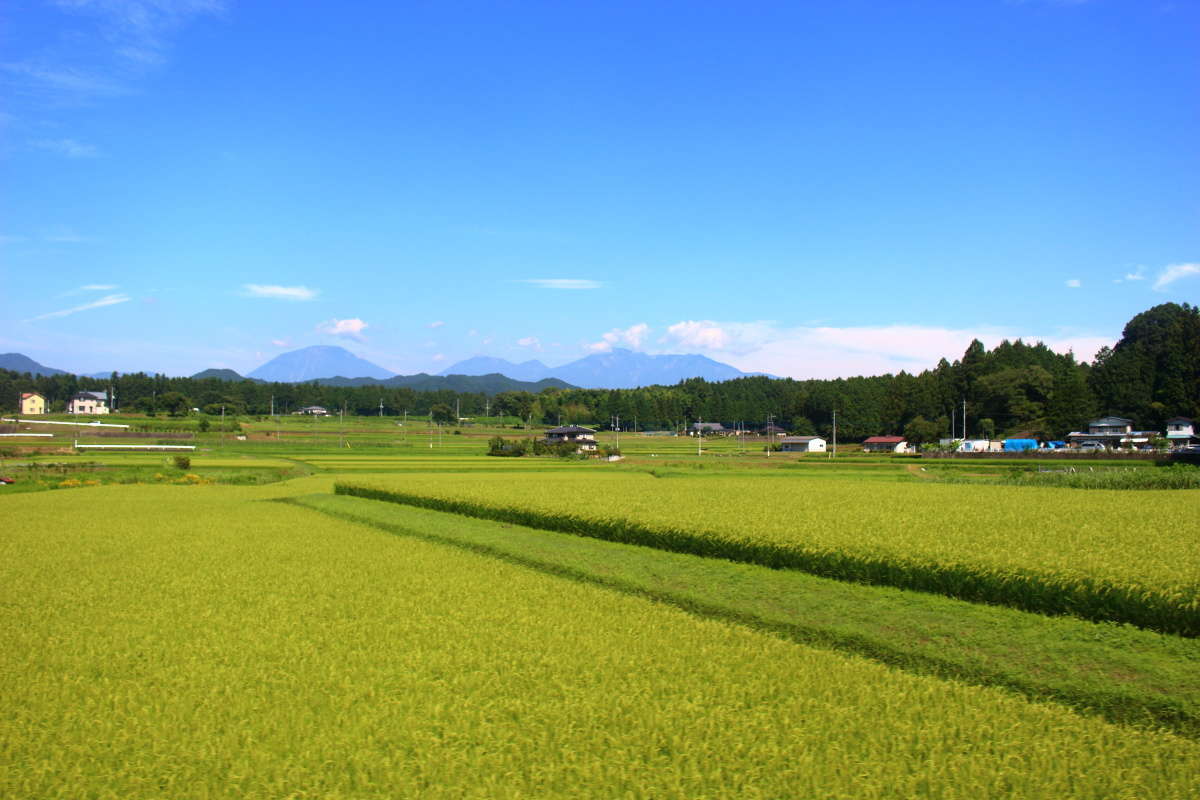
[{"x": 1150, "y": 375}]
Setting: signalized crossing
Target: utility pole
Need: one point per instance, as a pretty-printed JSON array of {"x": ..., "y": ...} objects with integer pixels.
[
  {"x": 342, "y": 427},
  {"x": 381, "y": 406},
  {"x": 835, "y": 433},
  {"x": 457, "y": 410},
  {"x": 700, "y": 436},
  {"x": 964, "y": 418},
  {"x": 431, "y": 429},
  {"x": 770, "y": 423},
  {"x": 617, "y": 428},
  {"x": 222, "y": 422}
]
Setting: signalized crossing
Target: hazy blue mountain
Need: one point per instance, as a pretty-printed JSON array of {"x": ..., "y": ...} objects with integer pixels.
[
  {"x": 321, "y": 361},
  {"x": 219, "y": 374},
  {"x": 625, "y": 369},
  {"x": 19, "y": 363},
  {"x": 486, "y": 365},
  {"x": 618, "y": 369},
  {"x": 422, "y": 382}
]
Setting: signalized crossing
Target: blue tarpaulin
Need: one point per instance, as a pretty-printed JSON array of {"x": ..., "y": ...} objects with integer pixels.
[{"x": 1019, "y": 445}]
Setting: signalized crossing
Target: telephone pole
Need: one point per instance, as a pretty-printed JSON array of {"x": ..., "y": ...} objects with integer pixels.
[{"x": 835, "y": 433}]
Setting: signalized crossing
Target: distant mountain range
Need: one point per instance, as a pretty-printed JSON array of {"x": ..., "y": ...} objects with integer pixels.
[
  {"x": 617, "y": 369},
  {"x": 337, "y": 366},
  {"x": 19, "y": 363}
]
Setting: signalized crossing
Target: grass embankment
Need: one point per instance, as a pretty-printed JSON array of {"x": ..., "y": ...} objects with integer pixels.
[
  {"x": 1043, "y": 551},
  {"x": 198, "y": 644},
  {"x": 1122, "y": 673}
]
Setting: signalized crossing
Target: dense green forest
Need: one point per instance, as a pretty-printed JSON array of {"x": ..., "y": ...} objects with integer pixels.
[{"x": 1150, "y": 375}]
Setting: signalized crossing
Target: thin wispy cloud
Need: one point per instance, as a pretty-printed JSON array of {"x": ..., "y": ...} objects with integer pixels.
[
  {"x": 563, "y": 283},
  {"x": 108, "y": 300},
  {"x": 60, "y": 81},
  {"x": 347, "y": 328},
  {"x": 98, "y": 287},
  {"x": 1175, "y": 272},
  {"x": 531, "y": 342},
  {"x": 272, "y": 292},
  {"x": 105, "y": 47},
  {"x": 437, "y": 324},
  {"x": 1074, "y": 283},
  {"x": 281, "y": 342},
  {"x": 12, "y": 239},
  {"x": 66, "y": 147}
]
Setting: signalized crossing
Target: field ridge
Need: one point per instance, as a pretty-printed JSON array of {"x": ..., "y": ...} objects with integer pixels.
[
  {"x": 1121, "y": 706},
  {"x": 1084, "y": 597}
]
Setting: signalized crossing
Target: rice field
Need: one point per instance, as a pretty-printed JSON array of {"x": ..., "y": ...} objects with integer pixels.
[
  {"x": 1105, "y": 555},
  {"x": 198, "y": 642}
]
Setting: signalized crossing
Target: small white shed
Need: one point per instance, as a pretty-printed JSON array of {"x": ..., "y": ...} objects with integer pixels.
[{"x": 802, "y": 444}]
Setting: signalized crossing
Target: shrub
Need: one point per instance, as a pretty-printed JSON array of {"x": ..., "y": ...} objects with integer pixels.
[{"x": 183, "y": 462}]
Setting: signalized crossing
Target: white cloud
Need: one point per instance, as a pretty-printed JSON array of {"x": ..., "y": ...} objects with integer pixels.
[
  {"x": 830, "y": 352},
  {"x": 5, "y": 239},
  {"x": 1137, "y": 275},
  {"x": 98, "y": 287},
  {"x": 563, "y": 283},
  {"x": 633, "y": 337},
  {"x": 437, "y": 324},
  {"x": 1074, "y": 283},
  {"x": 350, "y": 328},
  {"x": 530, "y": 341},
  {"x": 280, "y": 292},
  {"x": 109, "y": 300},
  {"x": 439, "y": 356},
  {"x": 1175, "y": 272},
  {"x": 66, "y": 147},
  {"x": 699, "y": 335},
  {"x": 281, "y": 342}
]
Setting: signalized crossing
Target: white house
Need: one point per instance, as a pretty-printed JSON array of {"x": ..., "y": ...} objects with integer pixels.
[
  {"x": 802, "y": 444},
  {"x": 1181, "y": 431},
  {"x": 583, "y": 438},
  {"x": 1112, "y": 432},
  {"x": 88, "y": 403}
]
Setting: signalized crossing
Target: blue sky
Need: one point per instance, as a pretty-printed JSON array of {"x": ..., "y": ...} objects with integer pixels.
[{"x": 807, "y": 189}]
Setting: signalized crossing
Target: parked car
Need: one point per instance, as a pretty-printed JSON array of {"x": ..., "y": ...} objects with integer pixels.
[{"x": 1092, "y": 447}]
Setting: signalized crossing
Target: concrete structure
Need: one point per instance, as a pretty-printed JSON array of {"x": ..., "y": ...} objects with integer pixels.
[
  {"x": 802, "y": 444},
  {"x": 583, "y": 438},
  {"x": 316, "y": 411},
  {"x": 884, "y": 444},
  {"x": 32, "y": 403},
  {"x": 88, "y": 403}
]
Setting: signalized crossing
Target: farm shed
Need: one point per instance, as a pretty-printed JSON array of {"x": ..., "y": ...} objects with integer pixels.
[
  {"x": 802, "y": 444},
  {"x": 884, "y": 444},
  {"x": 708, "y": 427}
]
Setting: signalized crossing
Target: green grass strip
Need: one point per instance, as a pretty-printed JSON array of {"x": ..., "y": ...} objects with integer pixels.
[
  {"x": 1094, "y": 600},
  {"x": 1123, "y": 674}
]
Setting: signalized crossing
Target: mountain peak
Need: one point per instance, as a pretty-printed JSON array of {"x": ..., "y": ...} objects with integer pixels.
[{"x": 318, "y": 361}]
